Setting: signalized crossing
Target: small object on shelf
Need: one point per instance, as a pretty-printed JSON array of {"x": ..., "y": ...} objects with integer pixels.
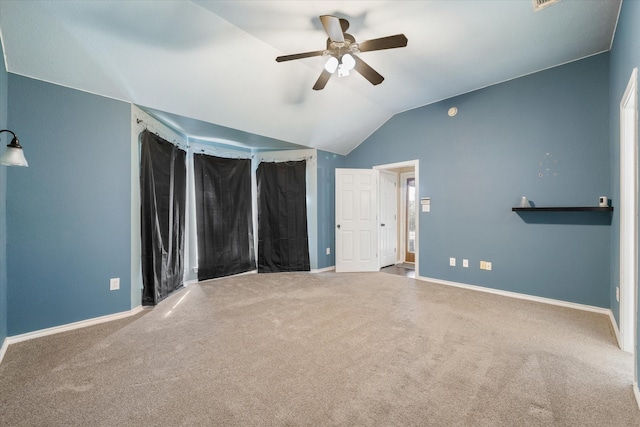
[
  {"x": 603, "y": 201},
  {"x": 524, "y": 203}
]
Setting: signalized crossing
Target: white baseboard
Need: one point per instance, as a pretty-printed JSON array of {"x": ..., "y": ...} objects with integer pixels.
[
  {"x": 324, "y": 270},
  {"x": 575, "y": 306},
  {"x": 71, "y": 326},
  {"x": 616, "y": 330},
  {"x": 3, "y": 349},
  {"x": 318, "y": 270},
  {"x": 194, "y": 282},
  {"x": 517, "y": 295},
  {"x": 64, "y": 328},
  {"x": 636, "y": 393},
  {"x": 90, "y": 322}
]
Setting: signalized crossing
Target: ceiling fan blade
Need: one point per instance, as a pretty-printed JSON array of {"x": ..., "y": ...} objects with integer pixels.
[
  {"x": 333, "y": 28},
  {"x": 299, "y": 55},
  {"x": 322, "y": 80},
  {"x": 367, "y": 72},
  {"x": 390, "y": 42}
]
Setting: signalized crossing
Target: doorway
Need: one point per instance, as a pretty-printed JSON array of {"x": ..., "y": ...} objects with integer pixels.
[
  {"x": 629, "y": 217},
  {"x": 407, "y": 214},
  {"x": 357, "y": 217}
]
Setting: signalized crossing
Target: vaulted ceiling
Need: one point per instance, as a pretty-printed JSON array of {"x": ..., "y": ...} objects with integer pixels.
[{"x": 202, "y": 63}]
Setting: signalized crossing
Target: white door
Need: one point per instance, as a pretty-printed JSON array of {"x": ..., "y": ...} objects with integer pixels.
[
  {"x": 356, "y": 220},
  {"x": 388, "y": 211}
]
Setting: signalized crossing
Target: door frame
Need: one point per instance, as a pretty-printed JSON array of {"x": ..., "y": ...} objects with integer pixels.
[
  {"x": 629, "y": 227},
  {"x": 416, "y": 167}
]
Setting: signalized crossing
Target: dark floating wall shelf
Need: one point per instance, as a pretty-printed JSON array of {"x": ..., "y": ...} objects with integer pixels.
[{"x": 565, "y": 209}]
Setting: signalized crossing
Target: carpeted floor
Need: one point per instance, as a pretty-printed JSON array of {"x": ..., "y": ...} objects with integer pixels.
[{"x": 326, "y": 349}]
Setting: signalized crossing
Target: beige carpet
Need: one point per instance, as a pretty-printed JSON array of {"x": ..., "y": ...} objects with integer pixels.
[{"x": 326, "y": 349}]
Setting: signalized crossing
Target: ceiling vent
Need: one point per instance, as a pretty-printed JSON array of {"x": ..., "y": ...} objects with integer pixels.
[{"x": 541, "y": 4}]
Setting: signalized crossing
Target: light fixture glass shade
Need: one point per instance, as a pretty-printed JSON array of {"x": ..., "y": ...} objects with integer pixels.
[
  {"x": 331, "y": 64},
  {"x": 14, "y": 156},
  {"x": 348, "y": 62}
]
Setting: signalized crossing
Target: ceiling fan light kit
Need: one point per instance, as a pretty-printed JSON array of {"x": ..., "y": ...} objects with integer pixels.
[
  {"x": 346, "y": 63},
  {"x": 342, "y": 49},
  {"x": 331, "y": 65}
]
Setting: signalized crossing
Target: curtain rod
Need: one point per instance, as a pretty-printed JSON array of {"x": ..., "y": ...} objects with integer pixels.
[
  {"x": 226, "y": 154},
  {"x": 157, "y": 132},
  {"x": 298, "y": 159}
]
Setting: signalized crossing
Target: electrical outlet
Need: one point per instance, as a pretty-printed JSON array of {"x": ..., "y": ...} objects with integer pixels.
[
  {"x": 452, "y": 262},
  {"x": 618, "y": 293},
  {"x": 487, "y": 265},
  {"x": 483, "y": 265},
  {"x": 114, "y": 284},
  {"x": 465, "y": 263},
  {"x": 328, "y": 251}
]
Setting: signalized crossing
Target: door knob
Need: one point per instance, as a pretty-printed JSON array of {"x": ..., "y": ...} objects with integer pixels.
[
  {"x": 382, "y": 225},
  {"x": 338, "y": 225}
]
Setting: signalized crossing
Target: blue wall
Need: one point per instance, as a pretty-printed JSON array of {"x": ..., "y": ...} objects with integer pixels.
[
  {"x": 544, "y": 136},
  {"x": 5, "y": 139},
  {"x": 68, "y": 213},
  {"x": 625, "y": 56},
  {"x": 327, "y": 164}
]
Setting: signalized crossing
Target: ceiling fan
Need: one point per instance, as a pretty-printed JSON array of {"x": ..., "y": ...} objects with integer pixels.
[{"x": 341, "y": 50}]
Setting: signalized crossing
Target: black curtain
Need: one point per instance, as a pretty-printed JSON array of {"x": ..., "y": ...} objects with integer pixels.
[
  {"x": 223, "y": 214},
  {"x": 283, "y": 242},
  {"x": 163, "y": 199}
]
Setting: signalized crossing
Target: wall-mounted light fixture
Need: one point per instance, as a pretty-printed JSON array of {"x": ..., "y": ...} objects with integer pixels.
[{"x": 14, "y": 155}]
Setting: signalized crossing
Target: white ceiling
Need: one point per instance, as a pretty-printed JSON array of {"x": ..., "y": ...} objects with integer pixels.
[{"x": 213, "y": 62}]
